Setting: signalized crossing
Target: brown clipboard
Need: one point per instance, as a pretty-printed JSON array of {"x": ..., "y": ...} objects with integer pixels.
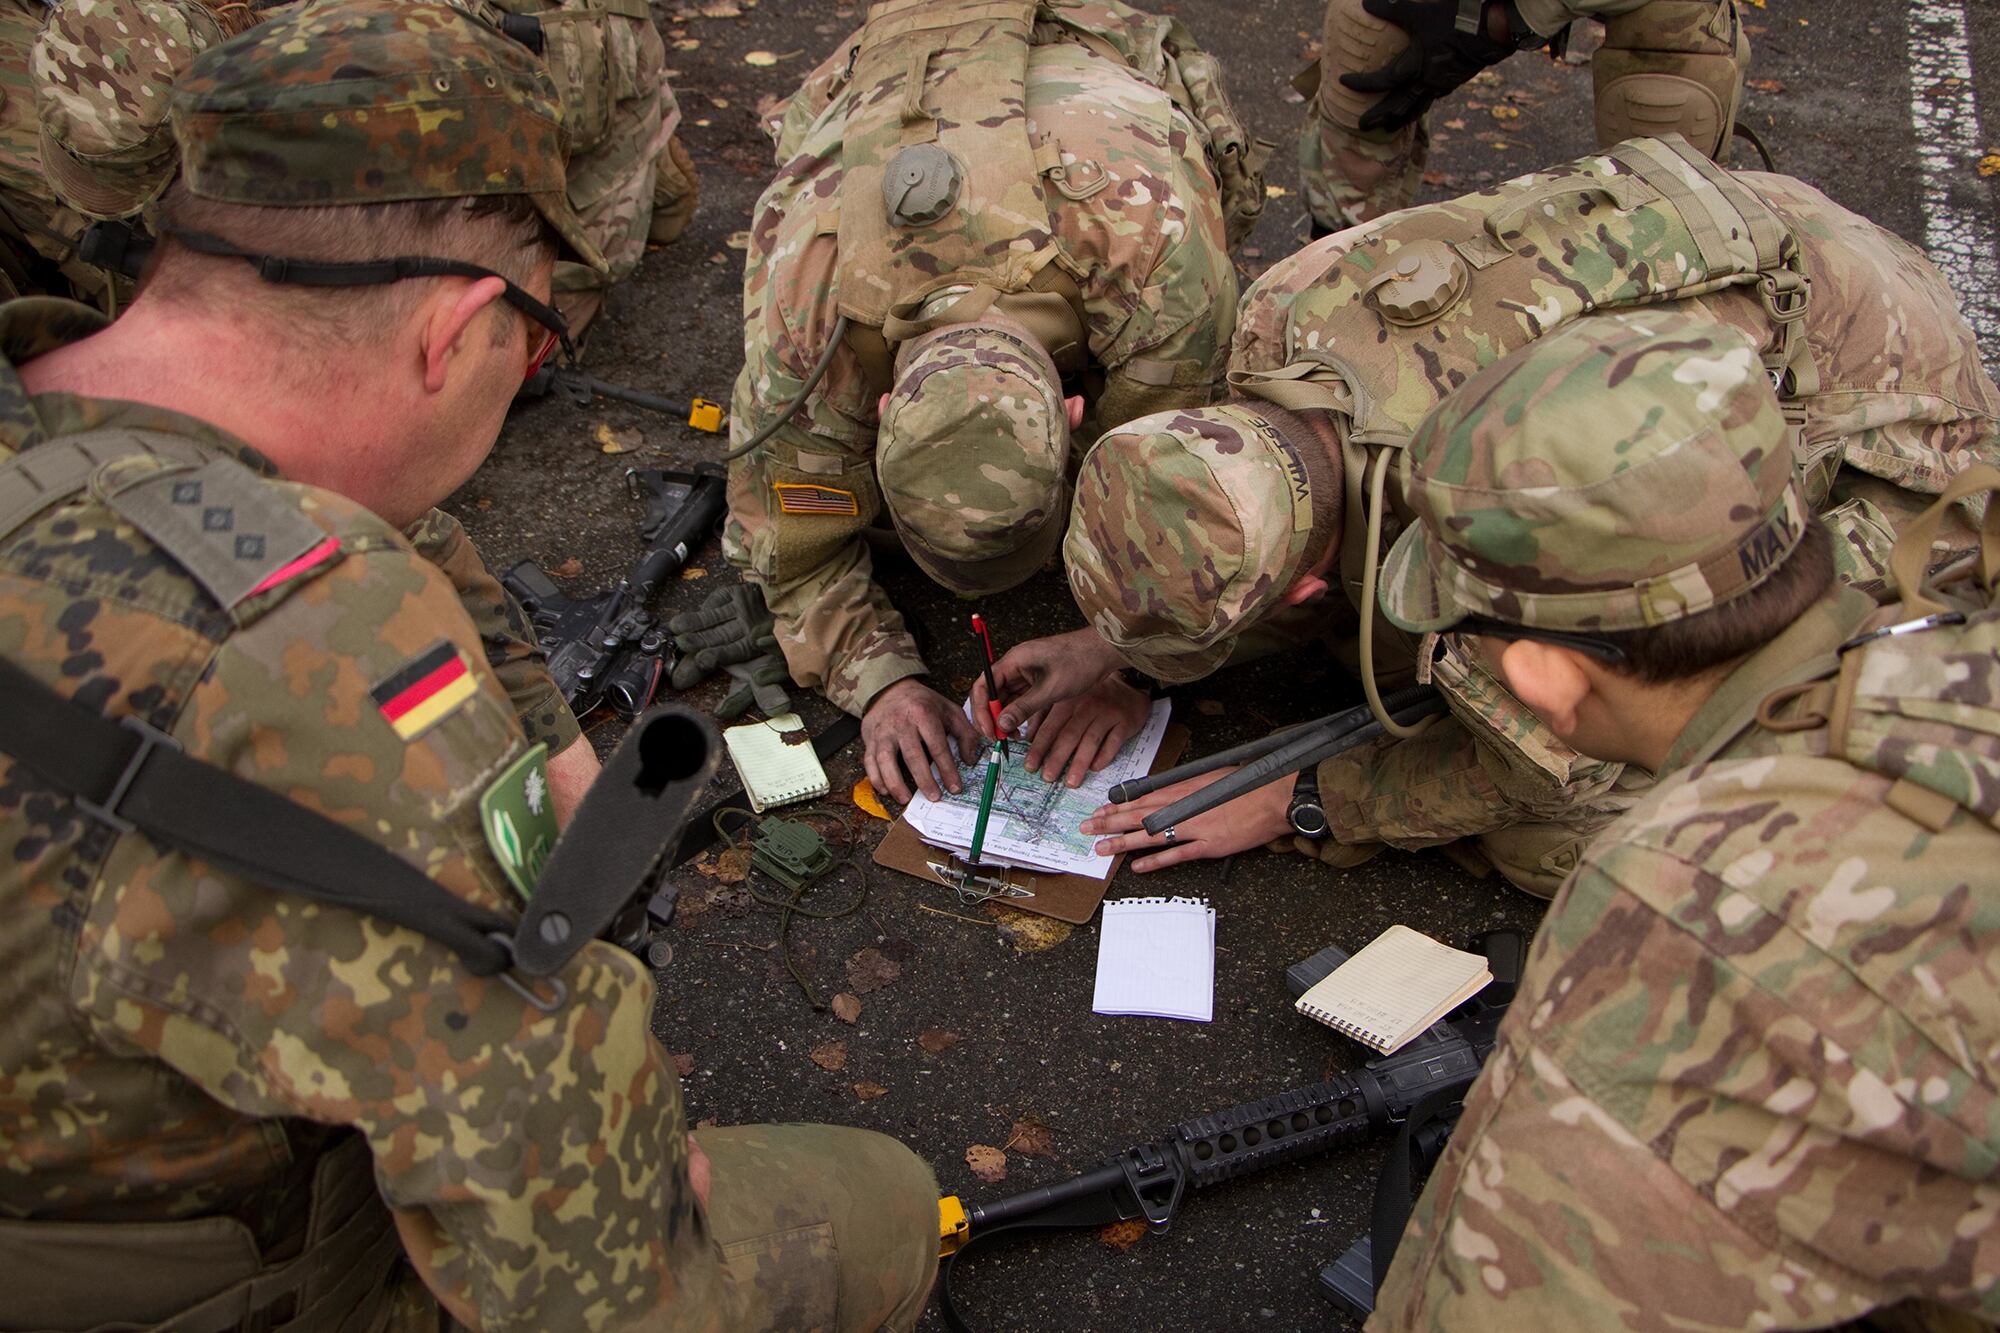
[{"x": 1071, "y": 898}]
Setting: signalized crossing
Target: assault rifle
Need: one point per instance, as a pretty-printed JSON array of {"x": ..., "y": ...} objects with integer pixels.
[
  {"x": 1417, "y": 1091},
  {"x": 611, "y": 648}
]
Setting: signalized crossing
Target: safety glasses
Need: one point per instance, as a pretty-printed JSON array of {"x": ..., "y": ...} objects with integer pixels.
[
  {"x": 1603, "y": 650},
  {"x": 381, "y": 272}
]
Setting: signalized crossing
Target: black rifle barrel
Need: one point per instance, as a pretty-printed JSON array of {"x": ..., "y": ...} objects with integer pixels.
[{"x": 1313, "y": 747}]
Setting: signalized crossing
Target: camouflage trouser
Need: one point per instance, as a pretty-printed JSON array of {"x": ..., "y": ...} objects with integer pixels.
[
  {"x": 1351, "y": 176},
  {"x": 823, "y": 1228},
  {"x": 627, "y": 182}
]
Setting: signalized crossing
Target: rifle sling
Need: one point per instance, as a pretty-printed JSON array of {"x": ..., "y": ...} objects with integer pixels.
[{"x": 131, "y": 776}]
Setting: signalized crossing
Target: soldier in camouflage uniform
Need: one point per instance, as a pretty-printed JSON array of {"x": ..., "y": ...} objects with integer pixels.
[
  {"x": 225, "y": 1105},
  {"x": 1666, "y": 67},
  {"x": 39, "y": 228},
  {"x": 101, "y": 73},
  {"x": 1031, "y": 240},
  {"x": 1748, "y": 1081},
  {"x": 1344, "y": 348}
]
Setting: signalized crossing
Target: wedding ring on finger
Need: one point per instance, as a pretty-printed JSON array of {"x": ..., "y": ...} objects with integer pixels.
[{"x": 1168, "y": 834}]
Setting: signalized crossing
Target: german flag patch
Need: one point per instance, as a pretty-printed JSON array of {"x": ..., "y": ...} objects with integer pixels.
[
  {"x": 425, "y": 691},
  {"x": 798, "y": 498}
]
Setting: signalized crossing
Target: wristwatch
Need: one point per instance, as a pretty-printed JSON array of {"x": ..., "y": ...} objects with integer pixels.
[{"x": 1307, "y": 817}]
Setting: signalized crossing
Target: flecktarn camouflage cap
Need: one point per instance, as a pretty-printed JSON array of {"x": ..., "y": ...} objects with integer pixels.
[
  {"x": 104, "y": 73},
  {"x": 1623, "y": 472},
  {"x": 1188, "y": 526},
  {"x": 972, "y": 457},
  {"x": 372, "y": 102}
]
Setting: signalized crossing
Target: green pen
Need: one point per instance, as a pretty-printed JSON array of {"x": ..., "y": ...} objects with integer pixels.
[{"x": 985, "y": 805}]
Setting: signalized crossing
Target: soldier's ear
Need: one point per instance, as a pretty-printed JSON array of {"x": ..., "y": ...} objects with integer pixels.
[
  {"x": 446, "y": 326},
  {"x": 1305, "y": 588},
  {"x": 1075, "y": 405},
  {"x": 1549, "y": 679}
]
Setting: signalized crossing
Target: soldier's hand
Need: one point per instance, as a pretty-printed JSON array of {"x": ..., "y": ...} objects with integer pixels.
[
  {"x": 1437, "y": 61},
  {"x": 1251, "y": 820},
  {"x": 1086, "y": 732},
  {"x": 910, "y": 726},
  {"x": 733, "y": 625},
  {"x": 700, "y": 1178},
  {"x": 1037, "y": 675}
]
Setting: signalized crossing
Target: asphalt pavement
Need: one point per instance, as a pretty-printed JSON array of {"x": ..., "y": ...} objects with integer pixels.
[{"x": 964, "y": 1036}]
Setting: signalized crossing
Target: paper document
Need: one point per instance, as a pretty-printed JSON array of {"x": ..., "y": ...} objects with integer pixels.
[
  {"x": 1156, "y": 957},
  {"x": 1034, "y": 821}
]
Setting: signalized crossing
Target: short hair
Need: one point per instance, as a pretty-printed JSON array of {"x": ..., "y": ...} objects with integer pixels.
[
  {"x": 505, "y": 233},
  {"x": 1709, "y": 640}
]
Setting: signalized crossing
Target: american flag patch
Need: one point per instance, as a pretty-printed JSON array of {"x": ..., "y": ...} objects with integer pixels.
[{"x": 797, "y": 498}]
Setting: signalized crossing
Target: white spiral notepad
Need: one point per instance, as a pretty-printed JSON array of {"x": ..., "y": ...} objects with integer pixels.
[
  {"x": 1156, "y": 957},
  {"x": 1403, "y": 982},
  {"x": 776, "y": 770}
]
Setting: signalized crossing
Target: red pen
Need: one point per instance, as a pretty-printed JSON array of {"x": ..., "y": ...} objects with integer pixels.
[{"x": 992, "y": 690}]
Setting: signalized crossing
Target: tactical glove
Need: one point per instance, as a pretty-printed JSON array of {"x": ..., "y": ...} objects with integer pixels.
[
  {"x": 732, "y": 626},
  {"x": 1438, "y": 59},
  {"x": 760, "y": 681}
]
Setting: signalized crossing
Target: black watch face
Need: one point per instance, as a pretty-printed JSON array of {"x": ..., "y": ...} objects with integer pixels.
[{"x": 1309, "y": 819}]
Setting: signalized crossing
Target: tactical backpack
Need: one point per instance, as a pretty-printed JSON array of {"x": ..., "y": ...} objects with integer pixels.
[{"x": 947, "y": 186}]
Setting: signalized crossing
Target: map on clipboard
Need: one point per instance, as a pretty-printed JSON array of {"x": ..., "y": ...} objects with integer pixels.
[
  {"x": 1034, "y": 821},
  {"x": 1066, "y": 896}
]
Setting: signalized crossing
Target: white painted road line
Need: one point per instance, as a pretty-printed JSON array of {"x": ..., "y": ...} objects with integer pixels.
[{"x": 1960, "y": 233}]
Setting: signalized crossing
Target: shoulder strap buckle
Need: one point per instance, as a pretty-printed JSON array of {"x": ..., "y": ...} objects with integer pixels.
[{"x": 151, "y": 738}]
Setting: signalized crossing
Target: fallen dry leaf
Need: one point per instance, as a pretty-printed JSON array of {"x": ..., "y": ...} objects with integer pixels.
[
  {"x": 620, "y": 440},
  {"x": 1275, "y": 192},
  {"x": 830, "y": 1056},
  {"x": 688, "y": 44},
  {"x": 987, "y": 1162},
  {"x": 936, "y": 1040},
  {"x": 684, "y": 1063},
  {"x": 796, "y": 736},
  {"x": 1455, "y": 123},
  {"x": 482, "y": 504},
  {"x": 738, "y": 240},
  {"x": 761, "y": 59},
  {"x": 846, "y": 1007},
  {"x": 1208, "y": 707},
  {"x": 721, "y": 9},
  {"x": 1990, "y": 165},
  {"x": 1506, "y": 113},
  {"x": 867, "y": 801},
  {"x": 1767, "y": 85},
  {"x": 1031, "y": 1138},
  {"x": 730, "y": 866},
  {"x": 1123, "y": 1235},
  {"x": 871, "y": 969},
  {"x": 568, "y": 569},
  {"x": 868, "y": 1092},
  {"x": 693, "y": 572},
  {"x": 1028, "y": 932}
]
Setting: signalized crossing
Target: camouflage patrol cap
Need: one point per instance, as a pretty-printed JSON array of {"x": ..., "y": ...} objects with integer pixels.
[
  {"x": 1189, "y": 527},
  {"x": 973, "y": 453},
  {"x": 103, "y": 73},
  {"x": 374, "y": 102},
  {"x": 1628, "y": 470}
]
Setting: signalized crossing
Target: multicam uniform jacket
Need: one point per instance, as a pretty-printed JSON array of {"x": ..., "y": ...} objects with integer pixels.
[
  {"x": 1902, "y": 406},
  {"x": 1749, "y": 1079},
  {"x": 1148, "y": 252}
]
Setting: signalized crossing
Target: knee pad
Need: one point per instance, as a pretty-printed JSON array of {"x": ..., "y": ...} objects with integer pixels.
[
  {"x": 1354, "y": 41},
  {"x": 1672, "y": 67}
]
